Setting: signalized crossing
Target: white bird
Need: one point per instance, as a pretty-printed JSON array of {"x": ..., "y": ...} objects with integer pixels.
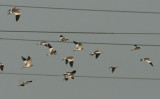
[
  {"x": 27, "y": 62},
  {"x": 113, "y": 68},
  {"x": 15, "y": 11},
  {"x": 68, "y": 75},
  {"x": 69, "y": 59},
  {"x": 51, "y": 50},
  {"x": 44, "y": 43},
  {"x": 78, "y": 46},
  {"x": 1, "y": 66},
  {"x": 97, "y": 53},
  {"x": 62, "y": 39},
  {"x": 135, "y": 47},
  {"x": 25, "y": 83},
  {"x": 147, "y": 60}
]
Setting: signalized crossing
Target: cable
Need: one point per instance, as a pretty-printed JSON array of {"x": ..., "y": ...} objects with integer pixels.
[
  {"x": 67, "y": 32},
  {"x": 81, "y": 42},
  {"x": 79, "y": 9},
  {"x": 82, "y": 76}
]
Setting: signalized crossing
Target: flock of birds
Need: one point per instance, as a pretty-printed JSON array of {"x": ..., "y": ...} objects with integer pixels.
[{"x": 68, "y": 60}]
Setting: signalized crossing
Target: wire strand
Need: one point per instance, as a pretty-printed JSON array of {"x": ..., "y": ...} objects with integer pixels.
[
  {"x": 80, "y": 9},
  {"x": 51, "y": 75}
]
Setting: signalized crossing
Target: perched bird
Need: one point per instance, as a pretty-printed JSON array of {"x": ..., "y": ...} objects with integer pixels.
[
  {"x": 62, "y": 39},
  {"x": 96, "y": 53},
  {"x": 135, "y": 48},
  {"x": 1, "y": 66},
  {"x": 113, "y": 68},
  {"x": 15, "y": 11},
  {"x": 78, "y": 46},
  {"x": 69, "y": 59},
  {"x": 44, "y": 43},
  {"x": 147, "y": 60},
  {"x": 24, "y": 83},
  {"x": 27, "y": 62},
  {"x": 51, "y": 50},
  {"x": 68, "y": 75}
]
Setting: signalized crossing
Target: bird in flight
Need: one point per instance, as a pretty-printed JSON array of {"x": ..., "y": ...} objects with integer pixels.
[
  {"x": 135, "y": 47},
  {"x": 51, "y": 50},
  {"x": 68, "y": 75},
  {"x": 27, "y": 62},
  {"x": 62, "y": 39},
  {"x": 44, "y": 43},
  {"x": 1, "y": 66},
  {"x": 25, "y": 83},
  {"x": 147, "y": 60},
  {"x": 97, "y": 53},
  {"x": 69, "y": 59},
  {"x": 113, "y": 68},
  {"x": 78, "y": 46},
  {"x": 16, "y": 12}
]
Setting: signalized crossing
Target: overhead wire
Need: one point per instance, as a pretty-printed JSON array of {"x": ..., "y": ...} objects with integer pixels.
[
  {"x": 78, "y": 76},
  {"x": 82, "y": 9},
  {"x": 81, "y": 42}
]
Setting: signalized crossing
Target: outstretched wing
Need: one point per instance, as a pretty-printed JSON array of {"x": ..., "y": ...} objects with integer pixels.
[
  {"x": 75, "y": 42},
  {"x": 17, "y": 17},
  {"x": 73, "y": 72},
  {"x": 66, "y": 61},
  {"x": 71, "y": 63},
  {"x": 97, "y": 55},
  {"x": 49, "y": 45},
  {"x": 24, "y": 59}
]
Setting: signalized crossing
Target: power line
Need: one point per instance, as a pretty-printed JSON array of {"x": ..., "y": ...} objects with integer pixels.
[
  {"x": 80, "y": 9},
  {"x": 138, "y": 78},
  {"x": 82, "y": 42},
  {"x": 72, "y": 32}
]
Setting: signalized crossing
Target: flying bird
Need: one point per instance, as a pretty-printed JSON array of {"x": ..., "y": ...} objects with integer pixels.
[
  {"x": 27, "y": 62},
  {"x": 78, "y": 46},
  {"x": 44, "y": 43},
  {"x": 68, "y": 75},
  {"x": 135, "y": 47},
  {"x": 97, "y": 53},
  {"x": 25, "y": 83},
  {"x": 51, "y": 50},
  {"x": 147, "y": 60},
  {"x": 62, "y": 39},
  {"x": 113, "y": 68},
  {"x": 1, "y": 66},
  {"x": 69, "y": 59},
  {"x": 15, "y": 11}
]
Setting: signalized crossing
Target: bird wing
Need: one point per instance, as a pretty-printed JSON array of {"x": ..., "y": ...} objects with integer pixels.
[
  {"x": 49, "y": 45},
  {"x": 24, "y": 59},
  {"x": 1, "y": 67},
  {"x": 73, "y": 72},
  {"x": 66, "y": 62},
  {"x": 75, "y": 42},
  {"x": 17, "y": 17},
  {"x": 113, "y": 69},
  {"x": 29, "y": 60},
  {"x": 97, "y": 55},
  {"x": 79, "y": 46},
  {"x": 71, "y": 63}
]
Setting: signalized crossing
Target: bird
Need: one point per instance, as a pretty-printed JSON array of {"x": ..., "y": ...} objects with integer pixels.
[
  {"x": 62, "y": 39},
  {"x": 78, "y": 46},
  {"x": 16, "y": 12},
  {"x": 135, "y": 47},
  {"x": 27, "y": 62},
  {"x": 1, "y": 66},
  {"x": 113, "y": 68},
  {"x": 68, "y": 75},
  {"x": 44, "y": 43},
  {"x": 51, "y": 50},
  {"x": 96, "y": 53},
  {"x": 69, "y": 59},
  {"x": 147, "y": 60},
  {"x": 25, "y": 83}
]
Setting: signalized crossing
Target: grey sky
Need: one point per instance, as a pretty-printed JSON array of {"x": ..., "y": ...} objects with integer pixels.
[{"x": 81, "y": 21}]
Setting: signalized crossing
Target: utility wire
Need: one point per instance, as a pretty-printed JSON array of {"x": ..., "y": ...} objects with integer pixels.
[
  {"x": 72, "y": 32},
  {"x": 80, "y": 9},
  {"x": 81, "y": 42},
  {"x": 138, "y": 78}
]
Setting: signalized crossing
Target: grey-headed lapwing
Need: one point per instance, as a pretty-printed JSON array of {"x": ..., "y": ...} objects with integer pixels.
[
  {"x": 135, "y": 47},
  {"x": 69, "y": 59},
  {"x": 68, "y": 75},
  {"x": 51, "y": 50},
  {"x": 147, "y": 60},
  {"x": 113, "y": 68},
  {"x": 27, "y": 62},
  {"x": 25, "y": 83},
  {"x": 78, "y": 46},
  {"x": 44, "y": 43},
  {"x": 1, "y": 66},
  {"x": 62, "y": 39},
  {"x": 15, "y": 11},
  {"x": 96, "y": 53}
]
